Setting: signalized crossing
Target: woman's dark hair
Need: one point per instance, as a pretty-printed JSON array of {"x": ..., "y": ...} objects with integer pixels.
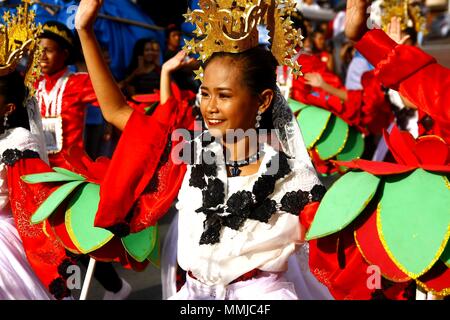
[
  {"x": 259, "y": 72},
  {"x": 138, "y": 50},
  {"x": 412, "y": 33},
  {"x": 13, "y": 90}
]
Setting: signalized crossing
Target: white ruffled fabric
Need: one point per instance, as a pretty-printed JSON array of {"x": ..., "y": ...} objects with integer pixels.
[
  {"x": 306, "y": 286},
  {"x": 17, "y": 279}
]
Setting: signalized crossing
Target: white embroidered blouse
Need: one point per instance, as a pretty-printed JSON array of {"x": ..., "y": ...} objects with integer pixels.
[{"x": 266, "y": 246}]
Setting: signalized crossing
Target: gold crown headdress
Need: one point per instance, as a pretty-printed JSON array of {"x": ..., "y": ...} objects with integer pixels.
[
  {"x": 19, "y": 37},
  {"x": 60, "y": 33},
  {"x": 231, "y": 26},
  {"x": 410, "y": 14}
]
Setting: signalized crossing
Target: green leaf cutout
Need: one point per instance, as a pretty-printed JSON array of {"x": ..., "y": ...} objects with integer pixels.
[
  {"x": 80, "y": 216},
  {"x": 334, "y": 138},
  {"x": 155, "y": 256},
  {"x": 342, "y": 203},
  {"x": 354, "y": 147},
  {"x": 53, "y": 201},
  {"x": 313, "y": 122},
  {"x": 69, "y": 173},
  {"x": 139, "y": 245},
  {"x": 296, "y": 106},
  {"x": 414, "y": 220},
  {"x": 445, "y": 256},
  {"x": 48, "y": 177}
]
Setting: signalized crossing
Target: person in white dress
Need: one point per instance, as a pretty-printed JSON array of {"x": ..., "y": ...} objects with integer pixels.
[{"x": 17, "y": 278}]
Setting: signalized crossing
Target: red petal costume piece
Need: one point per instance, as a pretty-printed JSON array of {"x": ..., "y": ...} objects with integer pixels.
[
  {"x": 136, "y": 162},
  {"x": 370, "y": 246},
  {"x": 409, "y": 153}
]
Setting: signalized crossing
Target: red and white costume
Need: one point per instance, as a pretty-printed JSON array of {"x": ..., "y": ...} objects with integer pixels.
[{"x": 62, "y": 98}]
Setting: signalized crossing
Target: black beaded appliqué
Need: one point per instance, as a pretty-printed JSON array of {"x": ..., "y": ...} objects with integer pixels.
[
  {"x": 11, "y": 156},
  {"x": 244, "y": 205}
]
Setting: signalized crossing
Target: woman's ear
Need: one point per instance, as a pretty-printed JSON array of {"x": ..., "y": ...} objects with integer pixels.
[{"x": 266, "y": 100}]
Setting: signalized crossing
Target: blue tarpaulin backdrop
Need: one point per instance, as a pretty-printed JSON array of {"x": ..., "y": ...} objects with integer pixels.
[{"x": 118, "y": 37}]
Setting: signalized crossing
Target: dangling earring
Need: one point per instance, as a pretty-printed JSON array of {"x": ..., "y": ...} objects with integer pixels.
[
  {"x": 258, "y": 119},
  {"x": 5, "y": 121}
]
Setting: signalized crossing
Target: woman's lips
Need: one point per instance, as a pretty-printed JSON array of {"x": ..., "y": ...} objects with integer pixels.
[{"x": 214, "y": 122}]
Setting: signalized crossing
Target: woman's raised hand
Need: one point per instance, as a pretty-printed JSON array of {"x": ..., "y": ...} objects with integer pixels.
[
  {"x": 394, "y": 30},
  {"x": 314, "y": 79},
  {"x": 356, "y": 17},
  {"x": 87, "y": 13},
  {"x": 176, "y": 62}
]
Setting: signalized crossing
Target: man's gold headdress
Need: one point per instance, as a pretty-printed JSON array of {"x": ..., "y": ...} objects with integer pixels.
[
  {"x": 232, "y": 26},
  {"x": 408, "y": 11},
  {"x": 19, "y": 38}
]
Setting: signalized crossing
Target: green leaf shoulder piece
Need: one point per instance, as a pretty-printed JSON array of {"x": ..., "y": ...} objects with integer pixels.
[
  {"x": 53, "y": 201},
  {"x": 69, "y": 173},
  {"x": 414, "y": 220},
  {"x": 342, "y": 203},
  {"x": 79, "y": 220},
  {"x": 50, "y": 177},
  {"x": 354, "y": 147},
  {"x": 141, "y": 244},
  {"x": 313, "y": 122},
  {"x": 333, "y": 140}
]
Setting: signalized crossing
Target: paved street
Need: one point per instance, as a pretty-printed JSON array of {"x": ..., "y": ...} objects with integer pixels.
[{"x": 440, "y": 50}]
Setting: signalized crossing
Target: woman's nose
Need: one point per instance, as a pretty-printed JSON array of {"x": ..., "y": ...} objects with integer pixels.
[{"x": 212, "y": 106}]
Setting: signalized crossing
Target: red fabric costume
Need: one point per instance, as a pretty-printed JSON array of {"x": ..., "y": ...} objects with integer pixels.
[
  {"x": 45, "y": 253},
  {"x": 307, "y": 94},
  {"x": 365, "y": 109},
  {"x": 142, "y": 177},
  {"x": 335, "y": 260},
  {"x": 67, "y": 99},
  {"x": 416, "y": 75}
]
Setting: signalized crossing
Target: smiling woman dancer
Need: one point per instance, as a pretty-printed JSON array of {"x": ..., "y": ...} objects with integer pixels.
[{"x": 239, "y": 202}]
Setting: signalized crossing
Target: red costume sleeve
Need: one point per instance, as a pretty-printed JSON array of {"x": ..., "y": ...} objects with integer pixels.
[
  {"x": 416, "y": 75},
  {"x": 45, "y": 254},
  {"x": 136, "y": 162}
]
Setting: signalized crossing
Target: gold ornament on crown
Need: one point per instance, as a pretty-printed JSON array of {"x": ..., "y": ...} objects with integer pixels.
[
  {"x": 62, "y": 33},
  {"x": 19, "y": 39},
  {"x": 231, "y": 26},
  {"x": 409, "y": 12}
]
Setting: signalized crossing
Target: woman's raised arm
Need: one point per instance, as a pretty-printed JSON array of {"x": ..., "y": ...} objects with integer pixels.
[{"x": 112, "y": 103}]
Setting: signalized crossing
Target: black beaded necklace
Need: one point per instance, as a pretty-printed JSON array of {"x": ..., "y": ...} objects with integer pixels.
[{"x": 235, "y": 165}]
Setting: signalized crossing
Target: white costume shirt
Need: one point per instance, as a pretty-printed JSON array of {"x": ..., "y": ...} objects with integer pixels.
[{"x": 266, "y": 246}]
